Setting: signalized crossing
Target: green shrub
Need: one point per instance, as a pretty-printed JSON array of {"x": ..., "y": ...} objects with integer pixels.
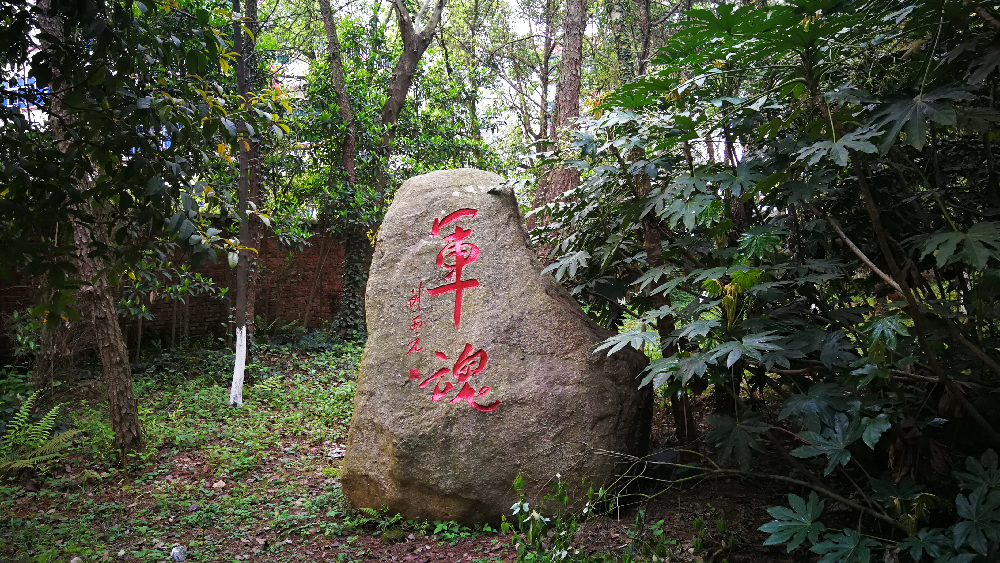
[{"x": 26, "y": 445}]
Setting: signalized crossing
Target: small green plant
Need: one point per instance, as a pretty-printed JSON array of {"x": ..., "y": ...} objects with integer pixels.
[
  {"x": 451, "y": 531},
  {"x": 26, "y": 445},
  {"x": 14, "y": 387}
]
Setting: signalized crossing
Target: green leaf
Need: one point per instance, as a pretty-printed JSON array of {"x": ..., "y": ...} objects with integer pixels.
[
  {"x": 203, "y": 15},
  {"x": 634, "y": 338},
  {"x": 568, "y": 264},
  {"x": 929, "y": 540},
  {"x": 820, "y": 401},
  {"x": 978, "y": 246},
  {"x": 873, "y": 428},
  {"x": 739, "y": 180},
  {"x": 981, "y": 473},
  {"x": 888, "y": 492},
  {"x": 752, "y": 345},
  {"x": 675, "y": 371},
  {"x": 839, "y": 151},
  {"x": 981, "y": 520},
  {"x": 832, "y": 442},
  {"x": 737, "y": 435},
  {"x": 911, "y": 115},
  {"x": 848, "y": 546},
  {"x": 796, "y": 524},
  {"x": 885, "y": 329},
  {"x": 760, "y": 242},
  {"x": 697, "y": 328}
]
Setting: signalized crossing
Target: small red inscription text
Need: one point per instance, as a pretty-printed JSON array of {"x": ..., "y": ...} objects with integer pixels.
[{"x": 416, "y": 324}]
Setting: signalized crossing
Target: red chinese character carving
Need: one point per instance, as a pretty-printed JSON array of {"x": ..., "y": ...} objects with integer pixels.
[
  {"x": 471, "y": 213},
  {"x": 416, "y": 324},
  {"x": 469, "y": 395},
  {"x": 467, "y": 365},
  {"x": 463, "y": 253},
  {"x": 415, "y": 297}
]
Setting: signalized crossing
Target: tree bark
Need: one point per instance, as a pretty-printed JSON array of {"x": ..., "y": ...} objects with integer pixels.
[
  {"x": 415, "y": 43},
  {"x": 249, "y": 191},
  {"x": 567, "y": 104},
  {"x": 96, "y": 300},
  {"x": 324, "y": 251},
  {"x": 97, "y": 305},
  {"x": 349, "y": 147},
  {"x": 685, "y": 428}
]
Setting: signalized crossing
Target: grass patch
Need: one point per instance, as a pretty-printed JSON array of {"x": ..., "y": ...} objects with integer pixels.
[{"x": 225, "y": 482}]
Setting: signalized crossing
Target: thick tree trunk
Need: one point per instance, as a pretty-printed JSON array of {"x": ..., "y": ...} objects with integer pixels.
[
  {"x": 340, "y": 91},
  {"x": 568, "y": 91},
  {"x": 96, "y": 301},
  {"x": 97, "y": 305},
  {"x": 556, "y": 181}
]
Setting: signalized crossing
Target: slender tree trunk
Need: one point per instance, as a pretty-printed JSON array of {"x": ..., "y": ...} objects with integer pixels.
[
  {"x": 544, "y": 120},
  {"x": 138, "y": 338},
  {"x": 685, "y": 428},
  {"x": 415, "y": 43},
  {"x": 646, "y": 36},
  {"x": 249, "y": 189},
  {"x": 340, "y": 91},
  {"x": 173, "y": 323},
  {"x": 324, "y": 251}
]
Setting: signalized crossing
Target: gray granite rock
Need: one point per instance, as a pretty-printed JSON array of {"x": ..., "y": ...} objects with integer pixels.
[{"x": 478, "y": 367}]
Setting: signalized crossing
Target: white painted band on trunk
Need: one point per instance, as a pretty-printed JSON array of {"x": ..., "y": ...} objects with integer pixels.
[{"x": 236, "y": 392}]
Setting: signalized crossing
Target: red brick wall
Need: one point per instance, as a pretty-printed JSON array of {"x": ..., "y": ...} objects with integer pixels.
[{"x": 285, "y": 277}]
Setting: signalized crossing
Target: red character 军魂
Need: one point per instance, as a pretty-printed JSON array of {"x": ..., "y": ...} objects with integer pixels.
[
  {"x": 463, "y": 253},
  {"x": 469, "y": 363}
]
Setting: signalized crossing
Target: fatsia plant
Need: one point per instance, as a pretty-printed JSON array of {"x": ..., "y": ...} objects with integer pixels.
[{"x": 800, "y": 202}]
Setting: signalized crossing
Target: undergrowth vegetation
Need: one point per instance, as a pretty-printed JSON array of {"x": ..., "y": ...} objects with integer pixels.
[
  {"x": 206, "y": 470},
  {"x": 798, "y": 207}
]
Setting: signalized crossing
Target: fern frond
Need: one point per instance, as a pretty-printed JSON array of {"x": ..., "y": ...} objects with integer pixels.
[
  {"x": 39, "y": 432},
  {"x": 25, "y": 445},
  {"x": 17, "y": 464},
  {"x": 58, "y": 442},
  {"x": 17, "y": 427}
]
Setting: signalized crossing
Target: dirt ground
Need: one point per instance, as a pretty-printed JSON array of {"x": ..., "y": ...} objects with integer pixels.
[{"x": 710, "y": 520}]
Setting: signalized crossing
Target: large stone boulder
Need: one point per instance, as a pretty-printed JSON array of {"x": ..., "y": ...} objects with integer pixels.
[{"x": 479, "y": 367}]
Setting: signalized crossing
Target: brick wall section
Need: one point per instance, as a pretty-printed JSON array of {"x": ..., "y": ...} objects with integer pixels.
[{"x": 284, "y": 281}]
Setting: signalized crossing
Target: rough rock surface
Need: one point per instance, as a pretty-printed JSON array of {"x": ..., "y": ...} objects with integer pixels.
[{"x": 517, "y": 387}]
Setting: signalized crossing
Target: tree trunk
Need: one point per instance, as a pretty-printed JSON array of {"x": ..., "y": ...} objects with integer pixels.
[
  {"x": 324, "y": 251},
  {"x": 568, "y": 92},
  {"x": 95, "y": 298},
  {"x": 340, "y": 91},
  {"x": 544, "y": 119},
  {"x": 685, "y": 428},
  {"x": 97, "y": 306},
  {"x": 414, "y": 45},
  {"x": 138, "y": 338},
  {"x": 249, "y": 186}
]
